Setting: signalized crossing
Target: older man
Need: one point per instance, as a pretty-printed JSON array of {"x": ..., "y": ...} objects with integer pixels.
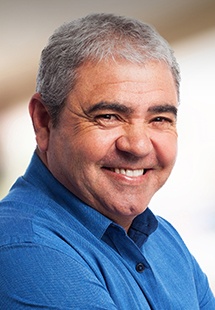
[{"x": 76, "y": 231}]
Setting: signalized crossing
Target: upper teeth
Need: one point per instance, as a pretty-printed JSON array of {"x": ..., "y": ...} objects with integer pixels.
[{"x": 130, "y": 173}]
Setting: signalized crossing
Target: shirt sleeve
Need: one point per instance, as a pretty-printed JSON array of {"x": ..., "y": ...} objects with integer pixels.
[
  {"x": 33, "y": 277},
  {"x": 205, "y": 295},
  {"x": 191, "y": 277}
]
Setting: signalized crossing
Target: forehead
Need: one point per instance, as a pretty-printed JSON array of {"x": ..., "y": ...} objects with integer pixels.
[{"x": 125, "y": 82}]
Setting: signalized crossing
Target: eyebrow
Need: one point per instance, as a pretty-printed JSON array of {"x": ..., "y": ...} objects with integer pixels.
[
  {"x": 114, "y": 106},
  {"x": 166, "y": 108}
]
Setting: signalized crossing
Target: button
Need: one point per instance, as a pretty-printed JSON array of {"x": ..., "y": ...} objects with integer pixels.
[{"x": 140, "y": 267}]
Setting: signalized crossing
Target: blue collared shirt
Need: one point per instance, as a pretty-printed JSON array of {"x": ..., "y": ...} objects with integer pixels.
[{"x": 58, "y": 253}]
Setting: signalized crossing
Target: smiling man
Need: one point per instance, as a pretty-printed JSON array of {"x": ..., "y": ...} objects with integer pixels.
[{"x": 76, "y": 230}]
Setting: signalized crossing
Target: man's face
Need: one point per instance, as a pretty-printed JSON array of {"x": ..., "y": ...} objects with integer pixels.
[{"x": 116, "y": 141}]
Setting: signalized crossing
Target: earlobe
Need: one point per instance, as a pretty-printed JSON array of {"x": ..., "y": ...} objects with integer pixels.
[{"x": 41, "y": 121}]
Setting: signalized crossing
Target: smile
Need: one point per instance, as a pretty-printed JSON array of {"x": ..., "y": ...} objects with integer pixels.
[{"x": 129, "y": 172}]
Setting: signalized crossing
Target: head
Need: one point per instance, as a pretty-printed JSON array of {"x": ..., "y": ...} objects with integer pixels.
[
  {"x": 96, "y": 37},
  {"x": 105, "y": 112}
]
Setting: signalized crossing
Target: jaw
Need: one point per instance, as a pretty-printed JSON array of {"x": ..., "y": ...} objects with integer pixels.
[{"x": 121, "y": 197}]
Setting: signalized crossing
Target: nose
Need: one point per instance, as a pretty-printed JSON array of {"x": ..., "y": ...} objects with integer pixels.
[{"x": 135, "y": 140}]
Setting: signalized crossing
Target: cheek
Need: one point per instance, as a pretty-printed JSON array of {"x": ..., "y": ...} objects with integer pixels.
[
  {"x": 95, "y": 145},
  {"x": 166, "y": 148}
]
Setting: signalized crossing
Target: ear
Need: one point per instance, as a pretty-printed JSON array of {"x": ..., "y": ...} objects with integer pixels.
[{"x": 41, "y": 121}]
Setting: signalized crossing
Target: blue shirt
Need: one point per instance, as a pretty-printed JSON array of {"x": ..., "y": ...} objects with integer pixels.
[{"x": 58, "y": 253}]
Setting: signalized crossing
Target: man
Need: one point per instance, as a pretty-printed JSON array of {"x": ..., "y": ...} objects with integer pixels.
[{"x": 76, "y": 231}]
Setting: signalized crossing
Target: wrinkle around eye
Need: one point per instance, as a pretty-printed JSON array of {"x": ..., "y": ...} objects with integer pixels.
[
  {"x": 80, "y": 122},
  {"x": 88, "y": 121}
]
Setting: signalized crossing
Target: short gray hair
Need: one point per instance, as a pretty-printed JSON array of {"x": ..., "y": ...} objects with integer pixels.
[{"x": 94, "y": 38}]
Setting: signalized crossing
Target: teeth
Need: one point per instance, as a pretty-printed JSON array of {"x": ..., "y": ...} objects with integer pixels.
[{"x": 129, "y": 173}]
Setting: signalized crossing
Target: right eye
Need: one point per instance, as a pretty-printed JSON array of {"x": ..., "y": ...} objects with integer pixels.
[{"x": 107, "y": 119}]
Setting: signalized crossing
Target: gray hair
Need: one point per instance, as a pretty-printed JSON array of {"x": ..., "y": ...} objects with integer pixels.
[{"x": 96, "y": 37}]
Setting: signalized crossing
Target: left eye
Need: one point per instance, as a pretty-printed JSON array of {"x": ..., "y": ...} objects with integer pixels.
[
  {"x": 162, "y": 119},
  {"x": 162, "y": 122}
]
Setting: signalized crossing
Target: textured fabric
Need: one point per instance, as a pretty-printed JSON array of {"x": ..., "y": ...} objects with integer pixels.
[{"x": 58, "y": 253}]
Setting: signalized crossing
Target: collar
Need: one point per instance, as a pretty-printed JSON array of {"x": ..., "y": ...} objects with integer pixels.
[{"x": 142, "y": 227}]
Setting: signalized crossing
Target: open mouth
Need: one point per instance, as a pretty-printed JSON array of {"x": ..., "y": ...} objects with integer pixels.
[{"x": 128, "y": 172}]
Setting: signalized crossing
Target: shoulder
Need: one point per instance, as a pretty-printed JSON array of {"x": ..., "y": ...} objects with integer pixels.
[
  {"x": 168, "y": 231},
  {"x": 37, "y": 238}
]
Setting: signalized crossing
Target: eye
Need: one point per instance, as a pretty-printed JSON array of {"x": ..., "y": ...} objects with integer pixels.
[
  {"x": 163, "y": 122},
  {"x": 162, "y": 119},
  {"x": 108, "y": 119}
]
